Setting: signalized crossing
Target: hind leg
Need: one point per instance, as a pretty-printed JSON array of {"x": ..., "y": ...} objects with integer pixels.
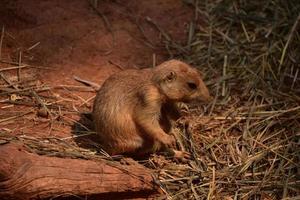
[
  {"x": 145, "y": 150},
  {"x": 123, "y": 146}
]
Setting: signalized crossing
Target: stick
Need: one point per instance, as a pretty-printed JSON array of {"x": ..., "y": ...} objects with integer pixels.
[
  {"x": 1, "y": 41},
  {"x": 288, "y": 42},
  {"x": 19, "y": 69},
  {"x": 224, "y": 74},
  {"x": 14, "y": 117},
  {"x": 86, "y": 82}
]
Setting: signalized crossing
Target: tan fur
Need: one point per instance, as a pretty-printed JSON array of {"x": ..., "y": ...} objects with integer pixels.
[{"x": 132, "y": 108}]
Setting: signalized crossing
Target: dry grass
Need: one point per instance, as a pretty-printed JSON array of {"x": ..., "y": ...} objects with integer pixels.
[{"x": 246, "y": 142}]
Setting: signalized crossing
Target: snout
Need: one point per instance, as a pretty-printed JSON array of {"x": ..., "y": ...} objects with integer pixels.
[
  {"x": 206, "y": 99},
  {"x": 199, "y": 97},
  {"x": 203, "y": 95}
]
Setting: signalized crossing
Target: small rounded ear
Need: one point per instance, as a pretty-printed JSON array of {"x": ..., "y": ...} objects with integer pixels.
[{"x": 171, "y": 76}]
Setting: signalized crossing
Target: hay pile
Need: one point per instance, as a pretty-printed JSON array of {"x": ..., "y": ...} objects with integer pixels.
[{"x": 248, "y": 139}]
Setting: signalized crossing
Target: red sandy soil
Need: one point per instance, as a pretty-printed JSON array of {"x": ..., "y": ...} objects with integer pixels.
[
  {"x": 69, "y": 38},
  {"x": 74, "y": 40}
]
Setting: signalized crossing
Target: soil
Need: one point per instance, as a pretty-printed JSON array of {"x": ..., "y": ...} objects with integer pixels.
[
  {"x": 69, "y": 38},
  {"x": 63, "y": 39}
]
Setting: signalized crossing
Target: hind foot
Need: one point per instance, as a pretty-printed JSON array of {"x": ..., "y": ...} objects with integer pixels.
[{"x": 181, "y": 156}]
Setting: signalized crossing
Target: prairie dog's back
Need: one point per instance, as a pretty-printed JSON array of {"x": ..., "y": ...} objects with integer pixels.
[{"x": 114, "y": 105}]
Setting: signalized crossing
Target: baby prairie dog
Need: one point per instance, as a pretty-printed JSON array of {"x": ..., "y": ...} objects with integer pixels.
[{"x": 133, "y": 108}]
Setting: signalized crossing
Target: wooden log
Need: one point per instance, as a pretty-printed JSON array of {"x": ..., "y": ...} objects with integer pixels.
[{"x": 24, "y": 175}]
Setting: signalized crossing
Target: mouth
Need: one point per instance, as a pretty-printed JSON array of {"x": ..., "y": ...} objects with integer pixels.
[
  {"x": 209, "y": 99},
  {"x": 206, "y": 99}
]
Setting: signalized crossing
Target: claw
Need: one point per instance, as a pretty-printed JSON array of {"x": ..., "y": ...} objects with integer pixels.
[{"x": 182, "y": 156}]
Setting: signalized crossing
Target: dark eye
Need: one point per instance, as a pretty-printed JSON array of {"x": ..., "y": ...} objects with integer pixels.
[{"x": 192, "y": 86}]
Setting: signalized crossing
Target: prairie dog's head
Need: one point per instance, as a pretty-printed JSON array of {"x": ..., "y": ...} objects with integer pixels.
[{"x": 180, "y": 82}]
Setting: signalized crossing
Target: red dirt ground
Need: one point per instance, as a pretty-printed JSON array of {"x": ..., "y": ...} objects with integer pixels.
[{"x": 74, "y": 40}]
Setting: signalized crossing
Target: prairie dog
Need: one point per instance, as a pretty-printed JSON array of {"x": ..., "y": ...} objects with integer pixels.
[{"x": 133, "y": 107}]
